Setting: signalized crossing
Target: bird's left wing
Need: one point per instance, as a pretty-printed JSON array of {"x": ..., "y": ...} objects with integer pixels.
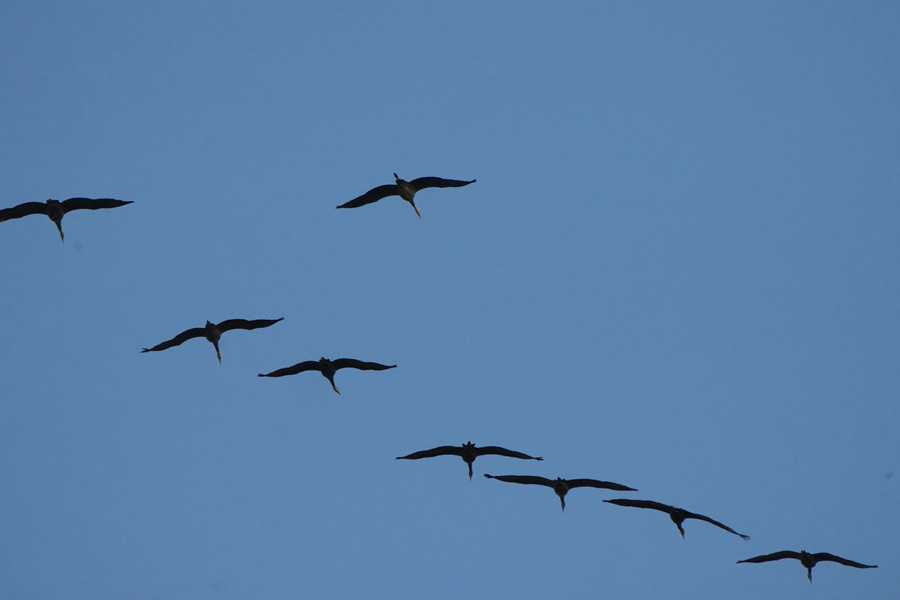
[
  {"x": 594, "y": 483},
  {"x": 773, "y": 556},
  {"x": 439, "y": 451},
  {"x": 178, "y": 339},
  {"x": 245, "y": 324},
  {"x": 691, "y": 515},
  {"x": 819, "y": 556},
  {"x": 525, "y": 479},
  {"x": 438, "y": 182},
  {"x": 343, "y": 363},
  {"x": 92, "y": 203},
  {"x": 373, "y": 195},
  {"x": 306, "y": 365},
  {"x": 503, "y": 452},
  {"x": 23, "y": 210}
]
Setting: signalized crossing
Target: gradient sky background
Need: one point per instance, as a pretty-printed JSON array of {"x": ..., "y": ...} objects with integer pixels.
[{"x": 678, "y": 270}]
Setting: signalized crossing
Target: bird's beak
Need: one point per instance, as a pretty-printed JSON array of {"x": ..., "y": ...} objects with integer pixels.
[
  {"x": 336, "y": 389},
  {"x": 417, "y": 211}
]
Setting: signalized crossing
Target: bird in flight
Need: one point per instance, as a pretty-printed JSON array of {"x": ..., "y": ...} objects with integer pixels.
[
  {"x": 56, "y": 209},
  {"x": 405, "y": 189},
  {"x": 807, "y": 559},
  {"x": 328, "y": 368},
  {"x": 678, "y": 515},
  {"x": 561, "y": 486},
  {"x": 212, "y": 332},
  {"x": 468, "y": 452}
]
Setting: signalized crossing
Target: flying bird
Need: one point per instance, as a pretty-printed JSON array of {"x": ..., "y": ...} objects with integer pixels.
[
  {"x": 561, "y": 486},
  {"x": 468, "y": 452},
  {"x": 807, "y": 559},
  {"x": 213, "y": 332},
  {"x": 405, "y": 189},
  {"x": 56, "y": 209},
  {"x": 678, "y": 515},
  {"x": 328, "y": 368}
]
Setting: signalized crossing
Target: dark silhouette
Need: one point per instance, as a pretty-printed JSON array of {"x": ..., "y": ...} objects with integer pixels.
[
  {"x": 807, "y": 559},
  {"x": 56, "y": 209},
  {"x": 468, "y": 452},
  {"x": 678, "y": 515},
  {"x": 561, "y": 486},
  {"x": 212, "y": 333},
  {"x": 328, "y": 368},
  {"x": 405, "y": 189}
]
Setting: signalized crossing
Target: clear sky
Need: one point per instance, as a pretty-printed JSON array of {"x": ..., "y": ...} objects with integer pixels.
[{"x": 678, "y": 270}]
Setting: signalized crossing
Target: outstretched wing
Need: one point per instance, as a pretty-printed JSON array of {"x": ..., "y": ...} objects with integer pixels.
[
  {"x": 501, "y": 452},
  {"x": 178, "y": 339},
  {"x": 343, "y": 363},
  {"x": 427, "y": 182},
  {"x": 373, "y": 195},
  {"x": 439, "y": 451},
  {"x": 23, "y": 210},
  {"x": 245, "y": 324},
  {"x": 524, "y": 479},
  {"x": 690, "y": 515},
  {"x": 92, "y": 203},
  {"x": 773, "y": 556},
  {"x": 640, "y": 504},
  {"x": 820, "y": 556},
  {"x": 594, "y": 483},
  {"x": 306, "y": 365}
]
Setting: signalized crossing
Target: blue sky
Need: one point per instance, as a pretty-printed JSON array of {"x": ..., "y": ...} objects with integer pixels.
[{"x": 677, "y": 271}]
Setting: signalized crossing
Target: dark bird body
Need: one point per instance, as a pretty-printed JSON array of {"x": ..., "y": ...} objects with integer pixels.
[
  {"x": 213, "y": 332},
  {"x": 678, "y": 515},
  {"x": 468, "y": 452},
  {"x": 328, "y": 368},
  {"x": 561, "y": 486},
  {"x": 405, "y": 189},
  {"x": 807, "y": 559},
  {"x": 55, "y": 209}
]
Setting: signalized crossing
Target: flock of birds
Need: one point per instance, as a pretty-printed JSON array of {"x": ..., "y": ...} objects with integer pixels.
[{"x": 55, "y": 210}]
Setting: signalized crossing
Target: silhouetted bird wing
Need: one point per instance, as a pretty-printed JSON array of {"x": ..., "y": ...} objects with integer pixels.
[
  {"x": 23, "y": 210},
  {"x": 607, "y": 485},
  {"x": 439, "y": 451},
  {"x": 691, "y": 515},
  {"x": 245, "y": 324},
  {"x": 306, "y": 365},
  {"x": 525, "y": 479},
  {"x": 501, "y": 452},
  {"x": 773, "y": 556},
  {"x": 427, "y": 182},
  {"x": 92, "y": 203},
  {"x": 178, "y": 339},
  {"x": 373, "y": 195},
  {"x": 343, "y": 363},
  {"x": 641, "y": 504},
  {"x": 820, "y": 556}
]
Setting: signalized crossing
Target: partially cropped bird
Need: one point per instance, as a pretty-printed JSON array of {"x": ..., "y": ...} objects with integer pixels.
[
  {"x": 468, "y": 452},
  {"x": 807, "y": 559},
  {"x": 56, "y": 209},
  {"x": 213, "y": 332},
  {"x": 328, "y": 368},
  {"x": 678, "y": 515},
  {"x": 405, "y": 189},
  {"x": 561, "y": 486}
]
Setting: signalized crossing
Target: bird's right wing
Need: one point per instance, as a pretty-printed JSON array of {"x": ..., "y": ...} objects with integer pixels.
[
  {"x": 23, "y": 210},
  {"x": 245, "y": 324},
  {"x": 92, "y": 203},
  {"x": 439, "y": 451},
  {"x": 343, "y": 363},
  {"x": 178, "y": 339},
  {"x": 524, "y": 479},
  {"x": 306, "y": 365},
  {"x": 438, "y": 182},
  {"x": 373, "y": 195},
  {"x": 819, "y": 556},
  {"x": 503, "y": 452},
  {"x": 773, "y": 556},
  {"x": 594, "y": 483},
  {"x": 641, "y": 504}
]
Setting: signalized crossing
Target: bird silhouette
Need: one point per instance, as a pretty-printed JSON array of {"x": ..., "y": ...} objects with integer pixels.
[
  {"x": 561, "y": 486},
  {"x": 678, "y": 515},
  {"x": 56, "y": 209},
  {"x": 468, "y": 452},
  {"x": 807, "y": 559},
  {"x": 328, "y": 368},
  {"x": 212, "y": 332},
  {"x": 405, "y": 189}
]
